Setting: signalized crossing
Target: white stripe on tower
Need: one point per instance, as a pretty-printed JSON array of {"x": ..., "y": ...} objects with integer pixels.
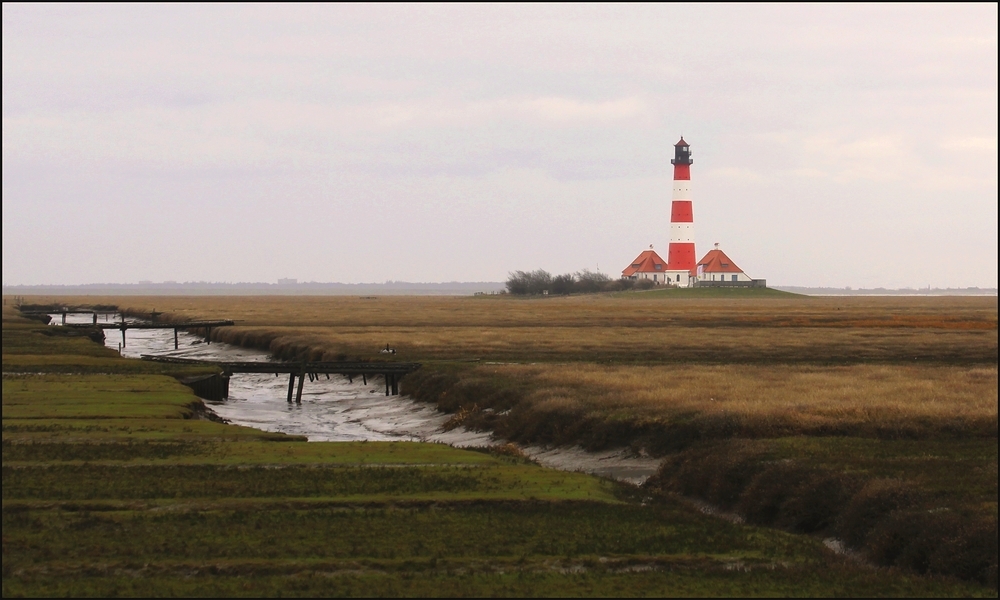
[{"x": 682, "y": 190}]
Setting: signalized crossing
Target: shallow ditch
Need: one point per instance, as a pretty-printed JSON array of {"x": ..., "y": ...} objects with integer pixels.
[{"x": 339, "y": 410}]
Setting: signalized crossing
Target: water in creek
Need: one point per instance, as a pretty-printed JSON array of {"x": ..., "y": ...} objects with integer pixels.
[{"x": 338, "y": 410}]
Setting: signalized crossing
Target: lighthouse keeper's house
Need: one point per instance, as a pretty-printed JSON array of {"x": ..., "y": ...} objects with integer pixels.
[
  {"x": 647, "y": 265},
  {"x": 717, "y": 269}
]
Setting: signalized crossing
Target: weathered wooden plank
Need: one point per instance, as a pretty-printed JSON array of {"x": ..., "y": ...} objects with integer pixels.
[{"x": 313, "y": 368}]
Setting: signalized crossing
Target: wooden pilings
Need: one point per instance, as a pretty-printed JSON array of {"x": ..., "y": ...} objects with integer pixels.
[
  {"x": 391, "y": 372},
  {"x": 391, "y": 384},
  {"x": 175, "y": 338}
]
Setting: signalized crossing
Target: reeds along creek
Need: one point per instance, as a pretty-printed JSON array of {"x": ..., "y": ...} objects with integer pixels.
[{"x": 158, "y": 493}]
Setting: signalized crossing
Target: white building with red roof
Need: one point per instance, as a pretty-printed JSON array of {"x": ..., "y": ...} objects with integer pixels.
[
  {"x": 718, "y": 267},
  {"x": 647, "y": 265}
]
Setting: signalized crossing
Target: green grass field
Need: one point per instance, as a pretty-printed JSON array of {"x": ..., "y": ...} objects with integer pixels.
[{"x": 114, "y": 484}]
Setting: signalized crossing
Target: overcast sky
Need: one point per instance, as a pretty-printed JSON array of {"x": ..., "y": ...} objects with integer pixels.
[{"x": 833, "y": 145}]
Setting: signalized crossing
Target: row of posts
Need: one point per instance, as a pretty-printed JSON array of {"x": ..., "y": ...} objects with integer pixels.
[
  {"x": 391, "y": 382},
  {"x": 65, "y": 313},
  {"x": 208, "y": 330},
  {"x": 208, "y": 336}
]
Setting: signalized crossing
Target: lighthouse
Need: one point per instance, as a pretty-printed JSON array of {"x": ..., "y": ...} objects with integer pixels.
[{"x": 681, "y": 259}]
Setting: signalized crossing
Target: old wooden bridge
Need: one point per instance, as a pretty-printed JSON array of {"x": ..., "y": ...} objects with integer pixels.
[
  {"x": 187, "y": 325},
  {"x": 392, "y": 372},
  {"x": 72, "y": 311}
]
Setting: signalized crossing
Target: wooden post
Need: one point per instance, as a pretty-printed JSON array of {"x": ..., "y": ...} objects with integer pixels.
[
  {"x": 208, "y": 338},
  {"x": 386, "y": 375},
  {"x": 291, "y": 386},
  {"x": 175, "y": 338},
  {"x": 123, "y": 337},
  {"x": 364, "y": 378},
  {"x": 302, "y": 383},
  {"x": 395, "y": 386},
  {"x": 64, "y": 317},
  {"x": 95, "y": 318}
]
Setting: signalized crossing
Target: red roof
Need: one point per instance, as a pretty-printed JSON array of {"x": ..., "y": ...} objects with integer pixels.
[
  {"x": 647, "y": 262},
  {"x": 716, "y": 261},
  {"x": 682, "y": 142}
]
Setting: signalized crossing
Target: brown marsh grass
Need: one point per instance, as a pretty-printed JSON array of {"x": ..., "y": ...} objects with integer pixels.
[
  {"x": 883, "y": 400},
  {"x": 636, "y": 309},
  {"x": 632, "y": 345},
  {"x": 888, "y": 367},
  {"x": 636, "y": 328}
]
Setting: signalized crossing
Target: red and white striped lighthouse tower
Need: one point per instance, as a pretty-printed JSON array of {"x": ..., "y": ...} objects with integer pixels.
[{"x": 681, "y": 259}]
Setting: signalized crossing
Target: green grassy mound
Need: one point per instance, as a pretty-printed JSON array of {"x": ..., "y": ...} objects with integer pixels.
[{"x": 719, "y": 292}]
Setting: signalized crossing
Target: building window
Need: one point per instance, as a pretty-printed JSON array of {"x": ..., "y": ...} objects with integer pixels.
[{"x": 734, "y": 277}]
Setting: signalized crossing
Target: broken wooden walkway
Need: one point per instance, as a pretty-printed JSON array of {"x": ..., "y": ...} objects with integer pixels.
[
  {"x": 123, "y": 327},
  {"x": 392, "y": 372}
]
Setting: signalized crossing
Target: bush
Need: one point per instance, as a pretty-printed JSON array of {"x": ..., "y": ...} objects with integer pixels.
[
  {"x": 588, "y": 282},
  {"x": 525, "y": 282},
  {"x": 619, "y": 285},
  {"x": 582, "y": 282},
  {"x": 563, "y": 284}
]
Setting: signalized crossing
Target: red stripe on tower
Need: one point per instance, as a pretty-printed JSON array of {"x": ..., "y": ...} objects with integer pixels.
[
  {"x": 680, "y": 256},
  {"x": 681, "y": 212}
]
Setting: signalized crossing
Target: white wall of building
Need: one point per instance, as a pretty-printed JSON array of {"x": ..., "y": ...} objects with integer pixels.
[
  {"x": 679, "y": 278},
  {"x": 724, "y": 277}
]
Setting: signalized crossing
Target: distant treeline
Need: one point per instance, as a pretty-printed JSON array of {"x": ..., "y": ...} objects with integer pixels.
[{"x": 526, "y": 283}]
